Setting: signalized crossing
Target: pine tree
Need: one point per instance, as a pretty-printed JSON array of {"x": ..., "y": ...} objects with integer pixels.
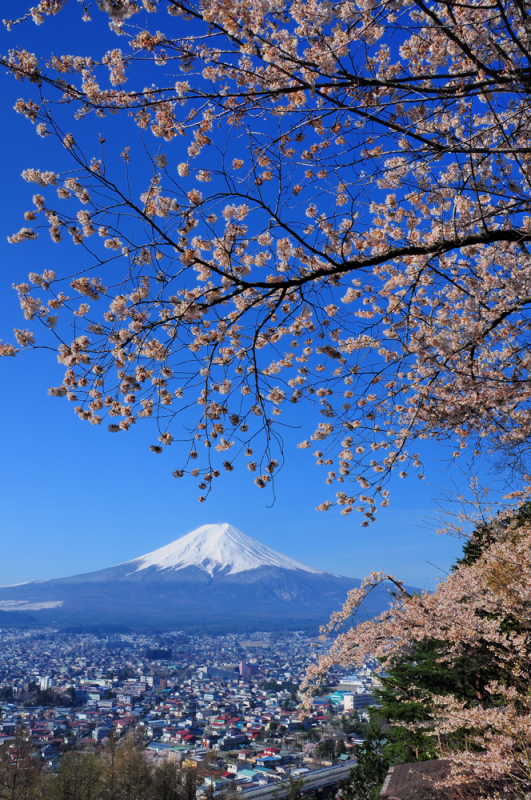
[
  {"x": 341, "y": 749},
  {"x": 167, "y": 781},
  {"x": 78, "y": 777},
  {"x": 367, "y": 777},
  {"x": 21, "y": 774}
]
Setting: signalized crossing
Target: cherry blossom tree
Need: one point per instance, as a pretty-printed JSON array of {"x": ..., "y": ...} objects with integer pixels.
[
  {"x": 315, "y": 203},
  {"x": 479, "y": 614}
]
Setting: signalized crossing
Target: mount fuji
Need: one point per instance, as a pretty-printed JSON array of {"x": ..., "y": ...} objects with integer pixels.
[{"x": 214, "y": 579}]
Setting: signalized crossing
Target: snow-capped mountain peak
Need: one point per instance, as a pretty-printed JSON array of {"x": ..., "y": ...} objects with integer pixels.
[{"x": 214, "y": 548}]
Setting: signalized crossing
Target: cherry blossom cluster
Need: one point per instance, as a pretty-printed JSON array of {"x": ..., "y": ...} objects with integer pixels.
[
  {"x": 482, "y": 612},
  {"x": 331, "y": 221}
]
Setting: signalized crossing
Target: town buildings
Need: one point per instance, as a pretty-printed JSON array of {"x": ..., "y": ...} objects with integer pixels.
[{"x": 230, "y": 702}]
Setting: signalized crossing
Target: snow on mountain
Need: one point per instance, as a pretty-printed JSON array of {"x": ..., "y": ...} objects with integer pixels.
[
  {"x": 214, "y": 548},
  {"x": 215, "y": 579}
]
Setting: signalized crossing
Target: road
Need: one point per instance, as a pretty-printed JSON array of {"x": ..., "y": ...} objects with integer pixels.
[{"x": 319, "y": 779}]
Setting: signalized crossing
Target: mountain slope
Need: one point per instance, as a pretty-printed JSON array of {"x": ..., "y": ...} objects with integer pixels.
[
  {"x": 215, "y": 578},
  {"x": 220, "y": 547}
]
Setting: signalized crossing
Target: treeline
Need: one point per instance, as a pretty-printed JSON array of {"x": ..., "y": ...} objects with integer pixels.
[
  {"x": 157, "y": 653},
  {"x": 34, "y": 696},
  {"x": 122, "y": 770}
]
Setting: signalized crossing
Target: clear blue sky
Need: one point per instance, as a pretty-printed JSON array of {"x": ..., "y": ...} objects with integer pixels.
[{"x": 75, "y": 498}]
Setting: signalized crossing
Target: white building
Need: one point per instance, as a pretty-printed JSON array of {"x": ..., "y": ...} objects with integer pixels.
[{"x": 348, "y": 701}]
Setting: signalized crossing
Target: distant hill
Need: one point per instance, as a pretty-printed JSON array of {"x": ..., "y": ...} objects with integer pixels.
[
  {"x": 214, "y": 579},
  {"x": 18, "y": 619}
]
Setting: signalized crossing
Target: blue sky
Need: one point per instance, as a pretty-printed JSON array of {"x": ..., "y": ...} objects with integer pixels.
[{"x": 76, "y": 498}]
